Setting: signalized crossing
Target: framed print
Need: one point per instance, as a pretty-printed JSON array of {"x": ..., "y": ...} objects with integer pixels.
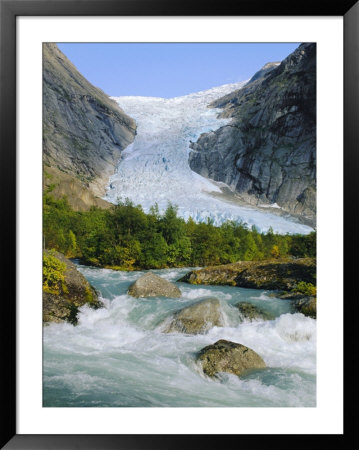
[{"x": 173, "y": 222}]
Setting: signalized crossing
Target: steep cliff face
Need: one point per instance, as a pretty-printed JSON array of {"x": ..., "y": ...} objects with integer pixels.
[
  {"x": 84, "y": 131},
  {"x": 267, "y": 153}
]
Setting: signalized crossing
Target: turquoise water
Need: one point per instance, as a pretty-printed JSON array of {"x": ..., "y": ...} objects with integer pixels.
[{"x": 118, "y": 356}]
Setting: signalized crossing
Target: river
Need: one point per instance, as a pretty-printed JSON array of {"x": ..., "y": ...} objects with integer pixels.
[{"x": 119, "y": 356}]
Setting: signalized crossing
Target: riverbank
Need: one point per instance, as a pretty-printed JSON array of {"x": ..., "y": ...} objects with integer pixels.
[{"x": 273, "y": 274}]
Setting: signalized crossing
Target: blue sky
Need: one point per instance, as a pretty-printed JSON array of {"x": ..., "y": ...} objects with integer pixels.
[{"x": 170, "y": 70}]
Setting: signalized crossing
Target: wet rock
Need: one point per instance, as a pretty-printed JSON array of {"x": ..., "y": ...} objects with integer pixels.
[
  {"x": 197, "y": 318},
  {"x": 151, "y": 285},
  {"x": 62, "y": 304},
  {"x": 252, "y": 312},
  {"x": 306, "y": 306},
  {"x": 227, "y": 356},
  {"x": 287, "y": 295}
]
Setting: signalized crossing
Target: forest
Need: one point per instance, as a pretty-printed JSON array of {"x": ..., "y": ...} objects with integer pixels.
[{"x": 124, "y": 237}]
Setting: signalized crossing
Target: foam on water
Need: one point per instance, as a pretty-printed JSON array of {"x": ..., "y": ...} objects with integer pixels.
[
  {"x": 154, "y": 168},
  {"x": 262, "y": 296},
  {"x": 119, "y": 356}
]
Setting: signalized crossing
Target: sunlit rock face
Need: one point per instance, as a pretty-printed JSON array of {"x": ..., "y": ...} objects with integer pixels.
[
  {"x": 84, "y": 131},
  {"x": 267, "y": 153}
]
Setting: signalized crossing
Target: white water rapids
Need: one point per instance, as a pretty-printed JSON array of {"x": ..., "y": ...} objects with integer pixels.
[
  {"x": 154, "y": 168},
  {"x": 119, "y": 356}
]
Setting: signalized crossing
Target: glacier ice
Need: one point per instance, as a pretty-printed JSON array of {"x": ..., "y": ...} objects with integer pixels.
[{"x": 154, "y": 168}]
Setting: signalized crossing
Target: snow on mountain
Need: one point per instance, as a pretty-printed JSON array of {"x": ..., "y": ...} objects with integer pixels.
[{"x": 154, "y": 168}]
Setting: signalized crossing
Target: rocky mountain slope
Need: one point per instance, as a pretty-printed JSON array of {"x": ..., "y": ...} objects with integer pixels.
[
  {"x": 267, "y": 153},
  {"x": 84, "y": 131},
  {"x": 79, "y": 196}
]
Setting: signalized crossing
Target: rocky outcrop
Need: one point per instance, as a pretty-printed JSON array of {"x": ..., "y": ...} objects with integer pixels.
[
  {"x": 267, "y": 153},
  {"x": 274, "y": 274},
  {"x": 59, "y": 184},
  {"x": 227, "y": 356},
  {"x": 151, "y": 285},
  {"x": 62, "y": 300},
  {"x": 251, "y": 312},
  {"x": 197, "y": 318},
  {"x": 306, "y": 306},
  {"x": 84, "y": 131}
]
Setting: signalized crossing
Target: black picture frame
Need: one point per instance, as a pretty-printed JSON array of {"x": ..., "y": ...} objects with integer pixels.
[{"x": 9, "y": 10}]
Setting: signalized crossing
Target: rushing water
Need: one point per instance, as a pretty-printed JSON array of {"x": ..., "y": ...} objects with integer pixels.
[{"x": 118, "y": 355}]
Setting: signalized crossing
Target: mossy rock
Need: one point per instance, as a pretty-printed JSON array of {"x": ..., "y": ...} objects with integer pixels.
[
  {"x": 230, "y": 357},
  {"x": 272, "y": 274},
  {"x": 68, "y": 290},
  {"x": 306, "y": 306}
]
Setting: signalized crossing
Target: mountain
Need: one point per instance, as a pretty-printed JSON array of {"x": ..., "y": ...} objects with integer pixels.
[
  {"x": 266, "y": 154},
  {"x": 154, "y": 168},
  {"x": 84, "y": 132}
]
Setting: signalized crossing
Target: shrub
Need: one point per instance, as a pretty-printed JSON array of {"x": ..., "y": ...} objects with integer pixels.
[
  {"x": 275, "y": 253},
  {"x": 53, "y": 274},
  {"x": 306, "y": 289}
]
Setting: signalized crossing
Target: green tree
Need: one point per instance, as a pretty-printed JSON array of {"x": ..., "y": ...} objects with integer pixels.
[
  {"x": 71, "y": 251},
  {"x": 154, "y": 252},
  {"x": 249, "y": 248},
  {"x": 179, "y": 253},
  {"x": 206, "y": 243},
  {"x": 171, "y": 226}
]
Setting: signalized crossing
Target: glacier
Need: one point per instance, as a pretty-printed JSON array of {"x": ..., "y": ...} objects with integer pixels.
[{"x": 154, "y": 168}]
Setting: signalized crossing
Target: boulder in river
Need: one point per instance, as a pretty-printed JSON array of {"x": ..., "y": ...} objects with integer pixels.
[
  {"x": 197, "y": 318},
  {"x": 151, "y": 285},
  {"x": 306, "y": 306},
  {"x": 65, "y": 289},
  {"x": 227, "y": 356},
  {"x": 252, "y": 312}
]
